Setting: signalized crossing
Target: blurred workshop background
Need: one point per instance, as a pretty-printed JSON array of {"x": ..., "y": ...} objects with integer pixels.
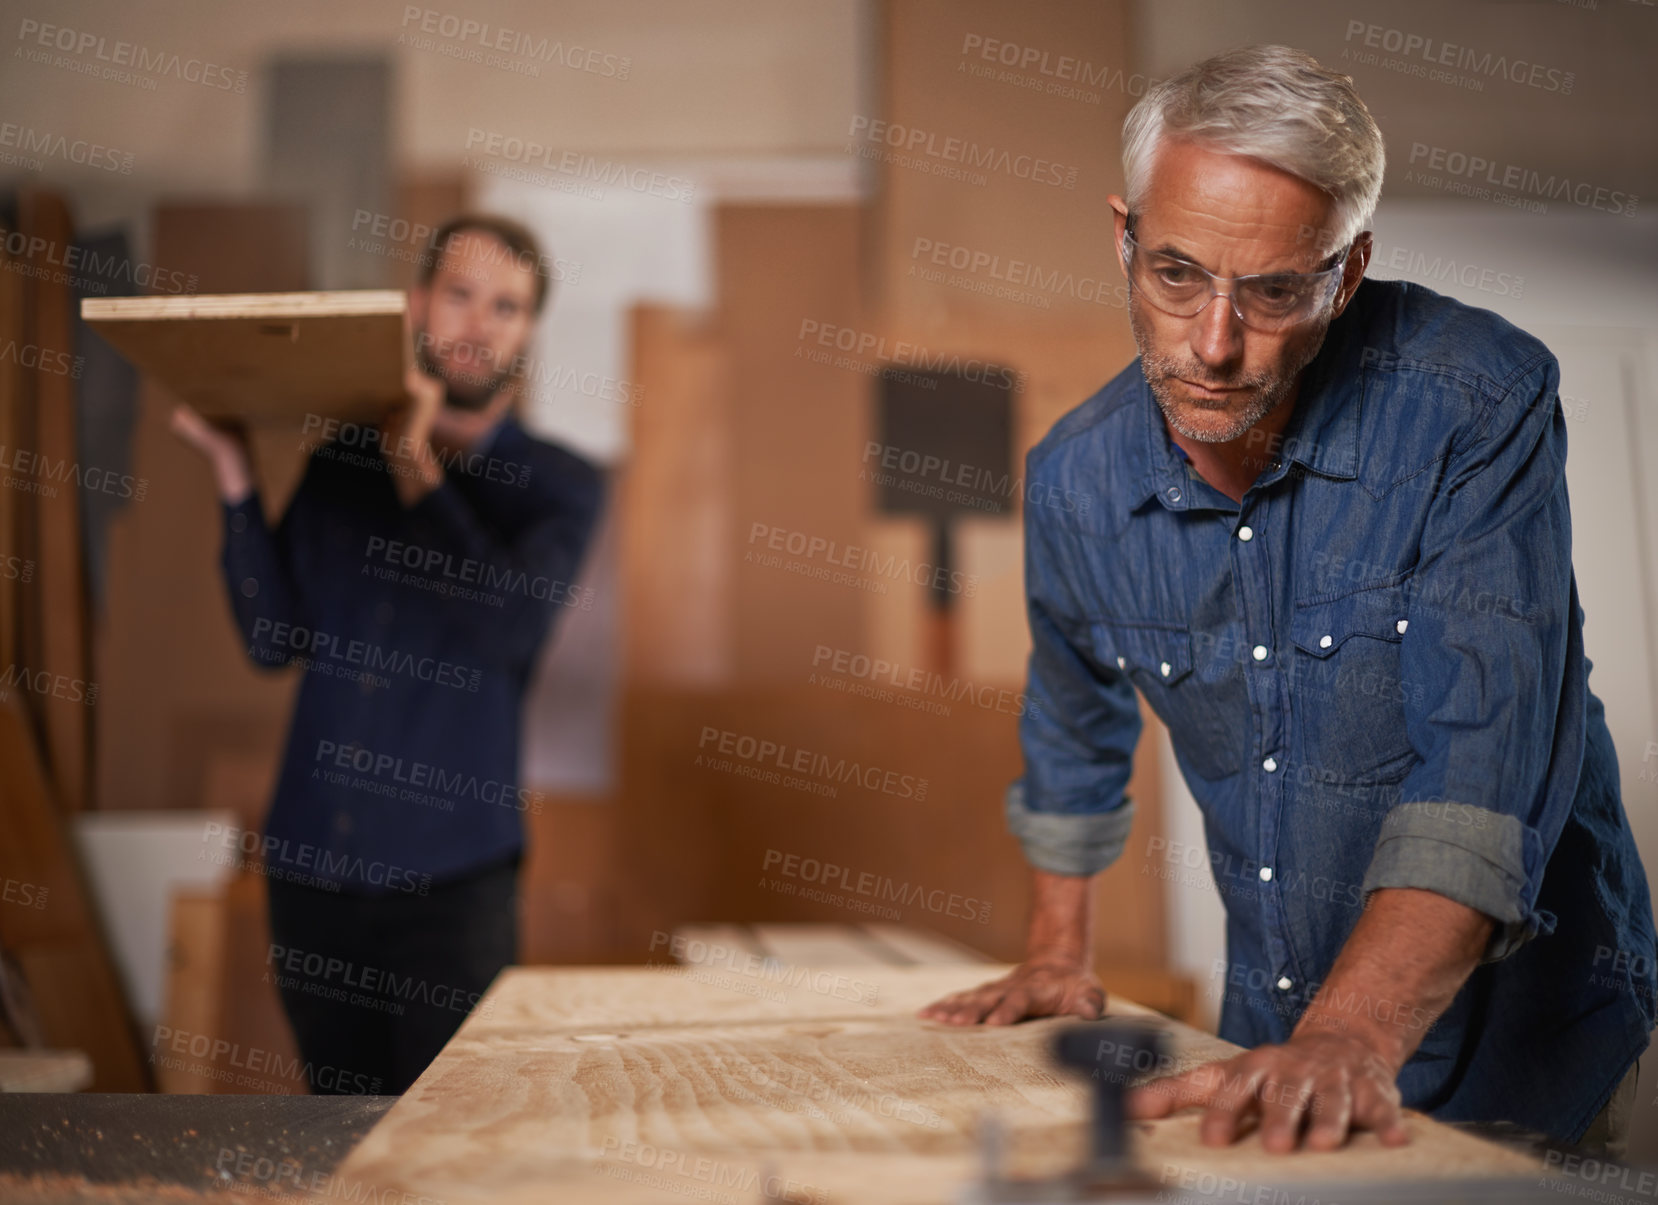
[{"x": 778, "y": 224}]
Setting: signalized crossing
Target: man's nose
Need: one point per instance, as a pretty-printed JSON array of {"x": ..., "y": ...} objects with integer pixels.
[
  {"x": 477, "y": 327},
  {"x": 1216, "y": 334}
]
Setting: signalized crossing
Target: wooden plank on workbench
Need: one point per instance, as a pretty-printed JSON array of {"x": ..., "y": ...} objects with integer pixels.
[
  {"x": 920, "y": 946},
  {"x": 639, "y": 1085},
  {"x": 812, "y": 945},
  {"x": 264, "y": 357},
  {"x": 735, "y": 938}
]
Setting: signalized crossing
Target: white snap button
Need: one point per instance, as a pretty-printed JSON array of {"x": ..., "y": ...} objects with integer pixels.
[
  {"x": 1284, "y": 984},
  {"x": 1165, "y": 668},
  {"x": 1270, "y": 764},
  {"x": 1174, "y": 493},
  {"x": 1325, "y": 642},
  {"x": 1259, "y": 652},
  {"x": 1401, "y": 626},
  {"x": 1121, "y": 663},
  {"x": 1266, "y": 874},
  {"x": 1246, "y": 534}
]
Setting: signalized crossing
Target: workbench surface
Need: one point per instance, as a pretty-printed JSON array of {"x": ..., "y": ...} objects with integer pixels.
[{"x": 646, "y": 1084}]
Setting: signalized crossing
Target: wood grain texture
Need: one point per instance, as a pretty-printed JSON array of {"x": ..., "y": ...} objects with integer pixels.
[
  {"x": 586, "y": 1085},
  {"x": 264, "y": 357}
]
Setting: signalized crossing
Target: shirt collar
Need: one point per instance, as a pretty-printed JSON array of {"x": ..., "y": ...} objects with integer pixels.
[
  {"x": 1322, "y": 434},
  {"x": 489, "y": 438}
]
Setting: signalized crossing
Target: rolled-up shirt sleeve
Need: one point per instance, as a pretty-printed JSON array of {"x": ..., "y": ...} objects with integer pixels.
[
  {"x": 1078, "y": 732},
  {"x": 1494, "y": 637}
]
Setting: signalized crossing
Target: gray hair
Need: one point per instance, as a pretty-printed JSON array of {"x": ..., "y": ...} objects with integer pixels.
[{"x": 1271, "y": 103}]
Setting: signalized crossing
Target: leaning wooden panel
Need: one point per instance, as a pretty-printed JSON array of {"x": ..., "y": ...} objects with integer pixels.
[
  {"x": 13, "y": 561},
  {"x": 56, "y": 640},
  {"x": 590, "y": 1085},
  {"x": 47, "y": 922},
  {"x": 265, "y": 357}
]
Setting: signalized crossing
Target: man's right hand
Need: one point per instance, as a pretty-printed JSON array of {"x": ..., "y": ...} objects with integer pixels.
[
  {"x": 1042, "y": 987},
  {"x": 224, "y": 446}
]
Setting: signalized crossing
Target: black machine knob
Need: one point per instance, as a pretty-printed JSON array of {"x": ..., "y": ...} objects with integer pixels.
[{"x": 1111, "y": 1054}]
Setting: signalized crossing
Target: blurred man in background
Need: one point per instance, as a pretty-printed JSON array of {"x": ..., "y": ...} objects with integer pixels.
[{"x": 415, "y": 576}]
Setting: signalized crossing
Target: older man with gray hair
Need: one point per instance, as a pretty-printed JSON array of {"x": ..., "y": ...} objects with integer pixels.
[{"x": 1334, "y": 555}]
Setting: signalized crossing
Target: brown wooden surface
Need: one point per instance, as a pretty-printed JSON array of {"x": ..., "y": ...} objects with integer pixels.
[
  {"x": 13, "y": 561},
  {"x": 264, "y": 357},
  {"x": 797, "y": 427},
  {"x": 257, "y": 246},
  {"x": 676, "y": 503},
  {"x": 704, "y": 842},
  {"x": 56, "y": 640},
  {"x": 223, "y": 1030},
  {"x": 195, "y": 975},
  {"x": 550, "y": 1082},
  {"x": 47, "y": 923}
]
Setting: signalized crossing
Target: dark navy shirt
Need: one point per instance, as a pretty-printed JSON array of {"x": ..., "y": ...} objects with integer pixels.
[
  {"x": 1372, "y": 673},
  {"x": 417, "y": 631}
]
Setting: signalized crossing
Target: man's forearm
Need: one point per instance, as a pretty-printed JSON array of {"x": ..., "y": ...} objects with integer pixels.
[
  {"x": 1062, "y": 918},
  {"x": 1401, "y": 967}
]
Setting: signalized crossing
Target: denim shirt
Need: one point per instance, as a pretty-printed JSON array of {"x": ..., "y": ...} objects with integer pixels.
[
  {"x": 1372, "y": 673},
  {"x": 416, "y": 631}
]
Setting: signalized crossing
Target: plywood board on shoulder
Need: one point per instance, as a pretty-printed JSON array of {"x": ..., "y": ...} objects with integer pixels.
[{"x": 265, "y": 357}]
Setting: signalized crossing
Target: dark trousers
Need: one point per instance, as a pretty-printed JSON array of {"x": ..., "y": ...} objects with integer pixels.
[{"x": 375, "y": 985}]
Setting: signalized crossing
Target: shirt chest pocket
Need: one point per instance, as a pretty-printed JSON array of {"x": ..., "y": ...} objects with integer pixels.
[
  {"x": 1346, "y": 692},
  {"x": 1207, "y": 717}
]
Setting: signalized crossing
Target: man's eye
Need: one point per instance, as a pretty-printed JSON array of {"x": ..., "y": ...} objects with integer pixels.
[
  {"x": 1175, "y": 274},
  {"x": 1274, "y": 293}
]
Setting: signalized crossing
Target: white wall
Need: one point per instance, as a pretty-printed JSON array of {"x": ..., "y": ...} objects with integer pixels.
[{"x": 135, "y": 863}]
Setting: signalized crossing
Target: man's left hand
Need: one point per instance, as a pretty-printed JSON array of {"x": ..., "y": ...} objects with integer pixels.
[{"x": 1326, "y": 1082}]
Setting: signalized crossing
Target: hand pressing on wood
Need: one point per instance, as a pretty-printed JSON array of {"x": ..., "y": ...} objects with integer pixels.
[
  {"x": 1406, "y": 959},
  {"x": 1054, "y": 980},
  {"x": 224, "y": 444},
  {"x": 1051, "y": 987},
  {"x": 1325, "y": 1083}
]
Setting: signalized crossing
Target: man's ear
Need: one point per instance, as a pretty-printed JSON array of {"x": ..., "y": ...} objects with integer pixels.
[
  {"x": 1119, "y": 223},
  {"x": 1358, "y": 259}
]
